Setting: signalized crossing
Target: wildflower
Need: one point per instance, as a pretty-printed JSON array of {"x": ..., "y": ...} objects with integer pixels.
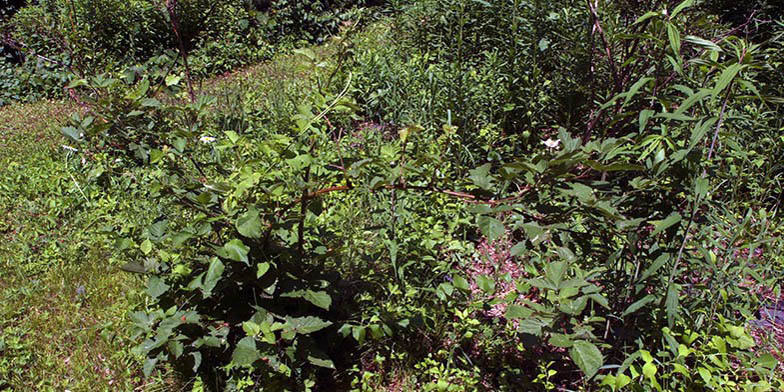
[
  {"x": 550, "y": 143},
  {"x": 69, "y": 148},
  {"x": 207, "y": 139}
]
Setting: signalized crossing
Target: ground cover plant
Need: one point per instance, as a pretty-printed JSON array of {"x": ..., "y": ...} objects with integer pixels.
[{"x": 442, "y": 195}]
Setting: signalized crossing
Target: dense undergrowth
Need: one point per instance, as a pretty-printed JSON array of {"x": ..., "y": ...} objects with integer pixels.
[{"x": 444, "y": 195}]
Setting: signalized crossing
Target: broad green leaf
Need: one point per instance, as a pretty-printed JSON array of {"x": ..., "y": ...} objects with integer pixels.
[
  {"x": 692, "y": 99},
  {"x": 72, "y": 133},
  {"x": 491, "y": 228},
  {"x": 587, "y": 357},
  {"x": 321, "y": 362},
  {"x": 156, "y": 286},
  {"x": 515, "y": 312},
  {"x": 648, "y": 15},
  {"x": 249, "y": 223},
  {"x": 658, "y": 263},
  {"x": 701, "y": 187},
  {"x": 318, "y": 298},
  {"x": 305, "y": 325},
  {"x": 262, "y": 269},
  {"x": 645, "y": 115},
  {"x": 635, "y": 88},
  {"x": 485, "y": 283},
  {"x": 214, "y": 273},
  {"x": 461, "y": 283},
  {"x": 245, "y": 354},
  {"x": 560, "y": 340},
  {"x": 235, "y": 250},
  {"x": 146, "y": 247},
  {"x": 481, "y": 176},
  {"x": 555, "y": 271}
]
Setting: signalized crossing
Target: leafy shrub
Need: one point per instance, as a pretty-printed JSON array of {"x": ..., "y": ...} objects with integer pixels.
[{"x": 622, "y": 247}]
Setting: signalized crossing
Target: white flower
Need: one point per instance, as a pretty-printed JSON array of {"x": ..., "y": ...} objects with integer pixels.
[
  {"x": 550, "y": 143},
  {"x": 207, "y": 139},
  {"x": 69, "y": 148}
]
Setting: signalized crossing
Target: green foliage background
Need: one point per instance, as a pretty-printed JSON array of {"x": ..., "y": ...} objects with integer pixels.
[{"x": 443, "y": 195}]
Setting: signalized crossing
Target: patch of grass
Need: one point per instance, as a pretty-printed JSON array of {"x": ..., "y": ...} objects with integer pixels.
[{"x": 63, "y": 302}]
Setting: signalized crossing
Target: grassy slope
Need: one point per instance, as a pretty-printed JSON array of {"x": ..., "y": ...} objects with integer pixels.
[
  {"x": 63, "y": 301},
  {"x": 62, "y": 305}
]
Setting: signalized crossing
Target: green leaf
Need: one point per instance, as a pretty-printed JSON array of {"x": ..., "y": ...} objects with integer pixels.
[
  {"x": 249, "y": 223},
  {"x": 515, "y": 312},
  {"x": 587, "y": 357},
  {"x": 672, "y": 304},
  {"x": 685, "y": 4},
  {"x": 321, "y": 362},
  {"x": 305, "y": 325},
  {"x": 76, "y": 83},
  {"x": 703, "y": 43},
  {"x": 245, "y": 354},
  {"x": 485, "y": 283},
  {"x": 262, "y": 269},
  {"x": 665, "y": 223},
  {"x": 491, "y": 228},
  {"x": 318, "y": 298},
  {"x": 146, "y": 247},
  {"x": 214, "y": 273},
  {"x": 658, "y": 263},
  {"x": 461, "y": 283},
  {"x": 645, "y": 115},
  {"x": 701, "y": 187},
  {"x": 675, "y": 38},
  {"x": 638, "y": 305},
  {"x": 560, "y": 340},
  {"x": 726, "y": 78},
  {"x": 635, "y": 88},
  {"x": 235, "y": 250},
  {"x": 156, "y": 286},
  {"x": 555, "y": 271},
  {"x": 481, "y": 176},
  {"x": 72, "y": 133}
]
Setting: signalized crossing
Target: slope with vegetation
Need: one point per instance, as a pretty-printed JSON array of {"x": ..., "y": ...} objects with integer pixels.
[{"x": 446, "y": 195}]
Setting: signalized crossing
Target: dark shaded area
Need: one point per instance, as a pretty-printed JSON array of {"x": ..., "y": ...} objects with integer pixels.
[{"x": 7, "y": 9}]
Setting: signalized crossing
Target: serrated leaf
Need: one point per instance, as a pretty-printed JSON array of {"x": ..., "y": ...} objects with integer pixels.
[
  {"x": 515, "y": 312},
  {"x": 491, "y": 228},
  {"x": 156, "y": 286},
  {"x": 555, "y": 271},
  {"x": 560, "y": 340},
  {"x": 481, "y": 176},
  {"x": 245, "y": 354},
  {"x": 305, "y": 325},
  {"x": 587, "y": 357}
]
